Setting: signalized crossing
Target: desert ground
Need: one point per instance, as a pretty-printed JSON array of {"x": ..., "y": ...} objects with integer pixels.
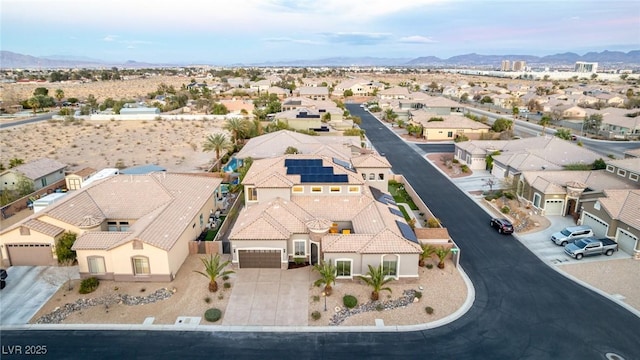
[{"x": 175, "y": 145}]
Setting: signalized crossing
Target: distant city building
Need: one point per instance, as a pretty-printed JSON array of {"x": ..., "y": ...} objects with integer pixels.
[
  {"x": 588, "y": 67},
  {"x": 519, "y": 65},
  {"x": 506, "y": 65}
]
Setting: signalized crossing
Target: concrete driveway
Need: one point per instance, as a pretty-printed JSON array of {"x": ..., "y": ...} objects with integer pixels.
[
  {"x": 28, "y": 288},
  {"x": 268, "y": 297}
]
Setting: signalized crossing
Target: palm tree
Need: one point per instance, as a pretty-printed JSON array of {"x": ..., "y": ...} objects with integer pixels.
[
  {"x": 328, "y": 273},
  {"x": 213, "y": 269},
  {"x": 217, "y": 142},
  {"x": 59, "y": 94},
  {"x": 442, "y": 253},
  {"x": 544, "y": 121},
  {"x": 427, "y": 251},
  {"x": 34, "y": 103},
  {"x": 238, "y": 127},
  {"x": 376, "y": 279}
]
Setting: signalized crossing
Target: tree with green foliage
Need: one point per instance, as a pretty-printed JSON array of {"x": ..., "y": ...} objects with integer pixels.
[
  {"x": 515, "y": 111},
  {"x": 213, "y": 269},
  {"x": 564, "y": 134},
  {"x": 501, "y": 125},
  {"x": 291, "y": 150},
  {"x": 24, "y": 186},
  {"x": 217, "y": 142},
  {"x": 592, "y": 123},
  {"x": 486, "y": 100},
  {"x": 41, "y": 91},
  {"x": 389, "y": 115},
  {"x": 328, "y": 274},
  {"x": 238, "y": 127},
  {"x": 347, "y": 93},
  {"x": 464, "y": 98},
  {"x": 376, "y": 278},
  {"x": 63, "y": 247},
  {"x": 427, "y": 252},
  {"x": 59, "y": 94},
  {"x": 219, "y": 109},
  {"x": 599, "y": 164},
  {"x": 544, "y": 121}
]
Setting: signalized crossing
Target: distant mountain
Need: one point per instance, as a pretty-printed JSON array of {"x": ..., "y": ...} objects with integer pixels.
[{"x": 632, "y": 58}]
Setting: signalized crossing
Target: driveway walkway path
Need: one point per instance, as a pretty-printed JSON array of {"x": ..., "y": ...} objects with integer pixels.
[{"x": 267, "y": 297}]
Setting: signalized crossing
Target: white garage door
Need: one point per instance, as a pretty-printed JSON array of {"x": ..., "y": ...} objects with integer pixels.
[
  {"x": 599, "y": 227},
  {"x": 553, "y": 207},
  {"x": 626, "y": 241},
  {"x": 497, "y": 171}
]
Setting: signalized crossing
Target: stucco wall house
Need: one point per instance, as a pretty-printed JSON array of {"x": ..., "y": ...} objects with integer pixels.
[
  {"x": 40, "y": 173},
  {"x": 128, "y": 227},
  {"x": 316, "y": 208}
]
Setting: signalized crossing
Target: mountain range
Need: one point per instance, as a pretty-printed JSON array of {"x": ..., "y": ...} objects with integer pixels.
[{"x": 11, "y": 60}]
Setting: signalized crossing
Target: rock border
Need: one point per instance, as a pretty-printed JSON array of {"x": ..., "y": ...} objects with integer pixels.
[{"x": 408, "y": 297}]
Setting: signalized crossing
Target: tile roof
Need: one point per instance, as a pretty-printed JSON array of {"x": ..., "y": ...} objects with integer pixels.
[
  {"x": 274, "y": 220},
  {"x": 623, "y": 205},
  {"x": 630, "y": 164},
  {"x": 449, "y": 121},
  {"x": 556, "y": 181},
  {"x": 370, "y": 161},
  {"x": 43, "y": 227},
  {"x": 276, "y": 143},
  {"x": 100, "y": 240},
  {"x": 39, "y": 168}
]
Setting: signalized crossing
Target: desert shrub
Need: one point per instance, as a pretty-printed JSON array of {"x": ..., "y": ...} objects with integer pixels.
[
  {"x": 429, "y": 310},
  {"x": 350, "y": 301},
  {"x": 316, "y": 298},
  {"x": 418, "y": 294},
  {"x": 213, "y": 315},
  {"x": 433, "y": 223},
  {"x": 379, "y": 307},
  {"x": 464, "y": 169},
  {"x": 221, "y": 296},
  {"x": 227, "y": 285},
  {"x": 316, "y": 315},
  {"x": 505, "y": 210},
  {"x": 509, "y": 195},
  {"x": 455, "y": 161},
  {"x": 207, "y": 299},
  {"x": 429, "y": 266},
  {"x": 89, "y": 285},
  {"x": 225, "y": 277}
]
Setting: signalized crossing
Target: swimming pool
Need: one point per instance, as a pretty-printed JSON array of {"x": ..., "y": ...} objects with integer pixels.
[{"x": 232, "y": 166}]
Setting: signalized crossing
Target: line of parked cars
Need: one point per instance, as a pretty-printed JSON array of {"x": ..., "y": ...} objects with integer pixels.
[{"x": 578, "y": 241}]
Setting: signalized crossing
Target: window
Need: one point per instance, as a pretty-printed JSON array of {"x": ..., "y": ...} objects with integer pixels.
[
  {"x": 112, "y": 226},
  {"x": 354, "y": 189},
  {"x": 298, "y": 189},
  {"x": 610, "y": 168},
  {"x": 252, "y": 193},
  {"x": 536, "y": 200},
  {"x": 44, "y": 181},
  {"x": 450, "y": 134},
  {"x": 344, "y": 268},
  {"x": 633, "y": 177},
  {"x": 622, "y": 172},
  {"x": 390, "y": 267},
  {"x": 124, "y": 225},
  {"x": 372, "y": 176},
  {"x": 299, "y": 248},
  {"x": 24, "y": 230},
  {"x": 335, "y": 189},
  {"x": 141, "y": 265},
  {"x": 364, "y": 176},
  {"x": 96, "y": 265},
  {"x": 597, "y": 205},
  {"x": 316, "y": 189},
  {"x": 381, "y": 176}
]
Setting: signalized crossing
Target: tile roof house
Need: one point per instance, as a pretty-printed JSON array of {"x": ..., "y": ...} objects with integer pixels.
[
  {"x": 129, "y": 227},
  {"x": 447, "y": 127},
  {"x": 301, "y": 118},
  {"x": 317, "y": 208},
  {"x": 40, "y": 173},
  {"x": 313, "y": 92}
]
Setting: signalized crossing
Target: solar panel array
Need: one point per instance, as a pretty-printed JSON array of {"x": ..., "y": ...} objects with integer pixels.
[
  {"x": 407, "y": 232},
  {"x": 312, "y": 171},
  {"x": 396, "y": 212},
  {"x": 382, "y": 197},
  {"x": 345, "y": 164}
]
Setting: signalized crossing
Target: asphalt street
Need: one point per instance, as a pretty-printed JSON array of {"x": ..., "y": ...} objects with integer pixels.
[{"x": 523, "y": 308}]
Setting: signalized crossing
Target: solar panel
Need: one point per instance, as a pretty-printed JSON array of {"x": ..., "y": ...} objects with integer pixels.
[
  {"x": 407, "y": 232},
  {"x": 344, "y": 164},
  {"x": 396, "y": 212}
]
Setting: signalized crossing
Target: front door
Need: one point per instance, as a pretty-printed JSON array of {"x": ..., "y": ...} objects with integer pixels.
[{"x": 314, "y": 253}]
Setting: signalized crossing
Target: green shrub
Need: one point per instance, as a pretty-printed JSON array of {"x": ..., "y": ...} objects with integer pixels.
[
  {"x": 225, "y": 277},
  {"x": 212, "y": 315},
  {"x": 505, "y": 210},
  {"x": 350, "y": 301},
  {"x": 227, "y": 285},
  {"x": 509, "y": 195},
  {"x": 299, "y": 261},
  {"x": 207, "y": 299},
  {"x": 221, "y": 296},
  {"x": 464, "y": 169},
  {"x": 418, "y": 294},
  {"x": 316, "y": 298},
  {"x": 316, "y": 315},
  {"x": 429, "y": 266},
  {"x": 455, "y": 161},
  {"x": 379, "y": 307},
  {"x": 89, "y": 285},
  {"x": 433, "y": 223},
  {"x": 429, "y": 310}
]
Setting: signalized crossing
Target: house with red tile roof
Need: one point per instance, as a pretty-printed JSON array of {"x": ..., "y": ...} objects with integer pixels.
[{"x": 314, "y": 208}]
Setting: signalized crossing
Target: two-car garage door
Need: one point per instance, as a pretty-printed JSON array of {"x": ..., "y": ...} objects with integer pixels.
[
  {"x": 30, "y": 254},
  {"x": 259, "y": 259},
  {"x": 599, "y": 227}
]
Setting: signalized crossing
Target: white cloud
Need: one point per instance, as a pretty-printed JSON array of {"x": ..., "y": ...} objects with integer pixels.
[
  {"x": 290, "y": 40},
  {"x": 416, "y": 39},
  {"x": 110, "y": 38}
]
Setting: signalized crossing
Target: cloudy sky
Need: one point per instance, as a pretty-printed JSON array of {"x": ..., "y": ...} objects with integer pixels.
[{"x": 247, "y": 31}]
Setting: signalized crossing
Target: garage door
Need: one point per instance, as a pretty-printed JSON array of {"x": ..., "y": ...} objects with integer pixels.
[
  {"x": 599, "y": 227},
  {"x": 497, "y": 171},
  {"x": 259, "y": 259},
  {"x": 553, "y": 207},
  {"x": 626, "y": 241},
  {"x": 30, "y": 254}
]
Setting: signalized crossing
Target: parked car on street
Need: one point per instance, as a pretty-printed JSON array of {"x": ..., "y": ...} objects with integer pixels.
[
  {"x": 571, "y": 234},
  {"x": 503, "y": 225},
  {"x": 591, "y": 246}
]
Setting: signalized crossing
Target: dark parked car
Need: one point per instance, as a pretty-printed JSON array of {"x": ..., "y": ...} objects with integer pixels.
[{"x": 504, "y": 226}]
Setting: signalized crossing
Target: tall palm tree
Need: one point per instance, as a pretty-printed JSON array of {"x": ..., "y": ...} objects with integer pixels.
[
  {"x": 427, "y": 251},
  {"x": 213, "y": 269},
  {"x": 328, "y": 273},
  {"x": 544, "y": 121},
  {"x": 217, "y": 142},
  {"x": 59, "y": 94},
  {"x": 376, "y": 279},
  {"x": 34, "y": 103},
  {"x": 238, "y": 127}
]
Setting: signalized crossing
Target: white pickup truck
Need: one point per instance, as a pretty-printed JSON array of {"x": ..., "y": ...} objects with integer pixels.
[{"x": 591, "y": 246}]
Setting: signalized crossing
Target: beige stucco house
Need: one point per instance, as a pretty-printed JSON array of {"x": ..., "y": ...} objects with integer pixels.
[
  {"x": 317, "y": 208},
  {"x": 447, "y": 127},
  {"x": 128, "y": 227},
  {"x": 39, "y": 173}
]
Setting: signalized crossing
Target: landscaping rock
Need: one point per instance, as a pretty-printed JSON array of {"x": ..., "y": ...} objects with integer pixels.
[{"x": 407, "y": 298}]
